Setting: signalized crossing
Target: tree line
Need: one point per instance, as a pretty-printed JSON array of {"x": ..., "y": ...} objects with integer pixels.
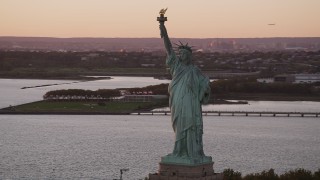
[
  {"x": 220, "y": 87},
  {"x": 77, "y": 94},
  {"x": 297, "y": 174},
  {"x": 251, "y": 86},
  {"x": 81, "y": 94}
]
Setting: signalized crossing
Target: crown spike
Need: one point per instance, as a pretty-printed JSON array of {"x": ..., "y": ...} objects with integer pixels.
[
  {"x": 182, "y": 46},
  {"x": 176, "y": 44}
]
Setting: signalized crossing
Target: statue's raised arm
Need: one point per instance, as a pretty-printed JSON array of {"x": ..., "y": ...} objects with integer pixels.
[{"x": 164, "y": 33}]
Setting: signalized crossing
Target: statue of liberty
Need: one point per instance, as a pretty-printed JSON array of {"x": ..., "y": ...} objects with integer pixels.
[{"x": 188, "y": 89}]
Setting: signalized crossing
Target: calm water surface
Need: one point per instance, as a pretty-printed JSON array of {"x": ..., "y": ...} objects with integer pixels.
[
  {"x": 12, "y": 94},
  {"x": 278, "y": 106},
  {"x": 60, "y": 147}
]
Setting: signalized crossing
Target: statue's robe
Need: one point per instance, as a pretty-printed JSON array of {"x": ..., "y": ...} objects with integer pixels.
[{"x": 188, "y": 90}]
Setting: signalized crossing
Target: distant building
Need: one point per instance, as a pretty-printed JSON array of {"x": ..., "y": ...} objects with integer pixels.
[
  {"x": 92, "y": 55},
  {"x": 265, "y": 80},
  {"x": 226, "y": 74},
  {"x": 89, "y": 56},
  {"x": 292, "y": 78},
  {"x": 142, "y": 98},
  {"x": 148, "y": 65},
  {"x": 285, "y": 78},
  {"x": 307, "y": 78}
]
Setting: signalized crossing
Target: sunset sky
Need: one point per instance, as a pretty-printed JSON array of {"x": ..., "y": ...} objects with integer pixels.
[{"x": 137, "y": 18}]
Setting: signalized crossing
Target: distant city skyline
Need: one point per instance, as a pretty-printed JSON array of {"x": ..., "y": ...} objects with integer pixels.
[{"x": 186, "y": 19}]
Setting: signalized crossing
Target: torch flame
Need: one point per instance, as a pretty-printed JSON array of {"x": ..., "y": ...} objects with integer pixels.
[{"x": 163, "y": 11}]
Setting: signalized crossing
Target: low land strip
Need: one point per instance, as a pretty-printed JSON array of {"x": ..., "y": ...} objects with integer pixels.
[
  {"x": 81, "y": 107},
  {"x": 88, "y": 107}
]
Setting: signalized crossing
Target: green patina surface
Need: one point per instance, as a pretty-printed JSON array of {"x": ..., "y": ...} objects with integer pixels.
[{"x": 188, "y": 89}]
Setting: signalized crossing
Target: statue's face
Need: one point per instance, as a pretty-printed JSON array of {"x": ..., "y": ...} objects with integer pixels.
[{"x": 185, "y": 56}]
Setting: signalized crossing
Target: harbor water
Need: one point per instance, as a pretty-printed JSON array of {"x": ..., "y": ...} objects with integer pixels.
[{"x": 98, "y": 146}]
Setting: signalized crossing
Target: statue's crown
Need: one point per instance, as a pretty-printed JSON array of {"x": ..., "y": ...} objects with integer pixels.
[{"x": 184, "y": 46}]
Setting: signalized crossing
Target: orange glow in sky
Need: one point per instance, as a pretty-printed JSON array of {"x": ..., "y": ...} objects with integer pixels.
[{"x": 137, "y": 18}]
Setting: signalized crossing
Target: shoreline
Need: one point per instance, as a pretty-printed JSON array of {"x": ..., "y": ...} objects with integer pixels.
[
  {"x": 3, "y": 112},
  {"x": 45, "y": 107},
  {"x": 165, "y": 113},
  {"x": 71, "y": 78},
  {"x": 87, "y": 76}
]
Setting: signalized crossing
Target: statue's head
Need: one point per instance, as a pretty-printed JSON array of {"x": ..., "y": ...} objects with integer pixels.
[{"x": 185, "y": 53}]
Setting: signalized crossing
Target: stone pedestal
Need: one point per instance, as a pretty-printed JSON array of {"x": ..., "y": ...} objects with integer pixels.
[{"x": 186, "y": 172}]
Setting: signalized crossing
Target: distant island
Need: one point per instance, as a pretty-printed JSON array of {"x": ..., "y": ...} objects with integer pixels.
[
  {"x": 286, "y": 69},
  {"x": 131, "y": 100}
]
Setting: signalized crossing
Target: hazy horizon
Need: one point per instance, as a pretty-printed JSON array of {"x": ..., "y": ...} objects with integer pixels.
[
  {"x": 156, "y": 37},
  {"x": 137, "y": 19}
]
